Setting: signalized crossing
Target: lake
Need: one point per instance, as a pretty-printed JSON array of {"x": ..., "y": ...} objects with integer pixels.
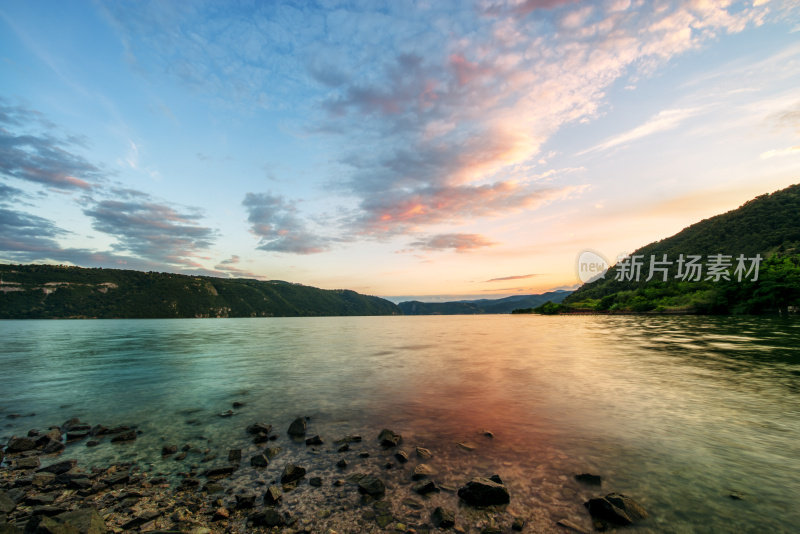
[{"x": 677, "y": 412}]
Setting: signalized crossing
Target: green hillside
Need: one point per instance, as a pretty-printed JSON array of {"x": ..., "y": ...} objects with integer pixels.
[
  {"x": 46, "y": 291},
  {"x": 768, "y": 225}
]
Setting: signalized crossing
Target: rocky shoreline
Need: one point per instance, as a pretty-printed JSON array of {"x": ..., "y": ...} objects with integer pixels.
[{"x": 291, "y": 482}]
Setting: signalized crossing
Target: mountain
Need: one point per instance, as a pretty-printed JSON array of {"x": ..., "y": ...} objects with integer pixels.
[
  {"x": 768, "y": 225},
  {"x": 480, "y": 306},
  {"x": 47, "y": 291}
]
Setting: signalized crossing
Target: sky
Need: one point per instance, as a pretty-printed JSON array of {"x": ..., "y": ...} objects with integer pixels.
[{"x": 428, "y": 150}]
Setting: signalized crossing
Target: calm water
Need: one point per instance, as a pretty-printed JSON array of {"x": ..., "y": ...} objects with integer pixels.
[{"x": 677, "y": 412}]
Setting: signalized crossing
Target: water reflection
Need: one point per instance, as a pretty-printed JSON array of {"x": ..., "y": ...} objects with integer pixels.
[{"x": 678, "y": 411}]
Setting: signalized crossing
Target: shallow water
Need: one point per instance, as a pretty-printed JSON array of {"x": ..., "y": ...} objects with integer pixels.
[{"x": 677, "y": 412}]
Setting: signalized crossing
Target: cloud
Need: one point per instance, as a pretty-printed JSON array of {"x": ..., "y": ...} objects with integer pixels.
[
  {"x": 149, "y": 229},
  {"x": 432, "y": 108},
  {"x": 664, "y": 120},
  {"x": 279, "y": 229},
  {"x": 517, "y": 277},
  {"x": 42, "y": 158},
  {"x": 457, "y": 242},
  {"x": 402, "y": 211},
  {"x": 789, "y": 151}
]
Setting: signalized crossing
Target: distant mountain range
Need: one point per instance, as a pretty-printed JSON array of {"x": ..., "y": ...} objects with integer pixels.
[
  {"x": 481, "y": 306},
  {"x": 46, "y": 291}
]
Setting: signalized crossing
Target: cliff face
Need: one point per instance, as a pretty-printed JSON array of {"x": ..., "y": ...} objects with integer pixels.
[{"x": 45, "y": 291}]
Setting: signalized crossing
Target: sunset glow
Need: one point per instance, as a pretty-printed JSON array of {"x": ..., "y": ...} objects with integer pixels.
[{"x": 403, "y": 149}]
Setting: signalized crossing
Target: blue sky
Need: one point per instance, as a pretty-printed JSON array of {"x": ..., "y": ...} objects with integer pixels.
[{"x": 406, "y": 149}]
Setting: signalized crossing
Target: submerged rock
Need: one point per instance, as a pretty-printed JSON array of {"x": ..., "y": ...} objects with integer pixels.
[
  {"x": 268, "y": 518},
  {"x": 443, "y": 518},
  {"x": 484, "y": 492},
  {"x": 314, "y": 440},
  {"x": 425, "y": 487},
  {"x": 129, "y": 435},
  {"x": 423, "y": 471},
  {"x": 291, "y": 473},
  {"x": 387, "y": 438},
  {"x": 273, "y": 495},
  {"x": 424, "y": 453},
  {"x": 298, "y": 428},
  {"x": 245, "y": 501},
  {"x": 259, "y": 460},
  {"x": 616, "y": 508},
  {"x": 589, "y": 479},
  {"x": 371, "y": 485},
  {"x": 401, "y": 456},
  {"x": 166, "y": 450}
]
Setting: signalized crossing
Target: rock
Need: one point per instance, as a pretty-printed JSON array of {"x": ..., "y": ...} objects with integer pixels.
[
  {"x": 273, "y": 495},
  {"x": 483, "y": 492},
  {"x": 52, "y": 435},
  {"x": 315, "y": 481},
  {"x": 81, "y": 521},
  {"x": 518, "y": 524},
  {"x": 169, "y": 449},
  {"x": 237, "y": 404},
  {"x": 26, "y": 463},
  {"x": 736, "y": 495},
  {"x": 220, "y": 514},
  {"x": 314, "y": 440},
  {"x": 487, "y": 433},
  {"x": 443, "y": 518},
  {"x": 179, "y": 457},
  {"x": 16, "y": 444},
  {"x": 589, "y": 479},
  {"x": 343, "y": 448},
  {"x": 566, "y": 523},
  {"x": 371, "y": 485},
  {"x": 117, "y": 478},
  {"x": 76, "y": 436},
  {"x": 363, "y": 454},
  {"x": 52, "y": 447},
  {"x": 226, "y": 413},
  {"x": 140, "y": 519},
  {"x": 99, "y": 430},
  {"x": 423, "y": 471},
  {"x": 298, "y": 428},
  {"x": 259, "y": 428},
  {"x": 259, "y": 460},
  {"x": 216, "y": 473},
  {"x": 401, "y": 456},
  {"x": 496, "y": 478},
  {"x": 425, "y": 487},
  {"x": 268, "y": 518},
  {"x": 80, "y": 484},
  {"x": 387, "y": 438},
  {"x": 92, "y": 443},
  {"x": 129, "y": 435},
  {"x": 235, "y": 456},
  {"x": 348, "y": 439},
  {"x": 466, "y": 446},
  {"x": 245, "y": 501},
  {"x": 291, "y": 473},
  {"x": 424, "y": 453},
  {"x": 40, "y": 499},
  {"x": 616, "y": 508},
  {"x": 7, "y": 504},
  {"x": 59, "y": 467},
  {"x": 272, "y": 452},
  {"x": 341, "y": 464}
]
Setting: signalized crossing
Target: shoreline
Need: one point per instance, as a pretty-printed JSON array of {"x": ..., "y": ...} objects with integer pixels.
[{"x": 342, "y": 486}]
